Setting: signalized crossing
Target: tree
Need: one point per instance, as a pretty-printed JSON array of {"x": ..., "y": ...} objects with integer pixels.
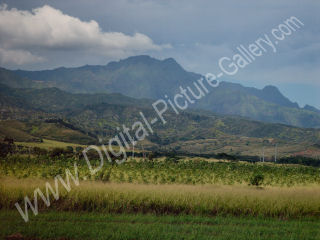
[
  {"x": 5, "y": 149},
  {"x": 8, "y": 140}
]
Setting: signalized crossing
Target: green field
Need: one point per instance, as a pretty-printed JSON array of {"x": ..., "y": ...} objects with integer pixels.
[{"x": 66, "y": 225}]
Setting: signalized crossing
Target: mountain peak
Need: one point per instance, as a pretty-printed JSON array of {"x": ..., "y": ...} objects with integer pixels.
[
  {"x": 311, "y": 108},
  {"x": 139, "y": 58},
  {"x": 170, "y": 60},
  {"x": 271, "y": 89},
  {"x": 273, "y": 94},
  {"x": 146, "y": 59}
]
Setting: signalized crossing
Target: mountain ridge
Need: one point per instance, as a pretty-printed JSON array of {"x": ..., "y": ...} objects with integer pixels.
[
  {"x": 51, "y": 113},
  {"x": 146, "y": 77}
]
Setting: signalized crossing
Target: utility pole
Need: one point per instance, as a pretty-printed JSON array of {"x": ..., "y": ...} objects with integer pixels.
[
  {"x": 263, "y": 154},
  {"x": 275, "y": 153},
  {"x": 133, "y": 144}
]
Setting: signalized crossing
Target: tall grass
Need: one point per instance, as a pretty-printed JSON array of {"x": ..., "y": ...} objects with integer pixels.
[{"x": 237, "y": 200}]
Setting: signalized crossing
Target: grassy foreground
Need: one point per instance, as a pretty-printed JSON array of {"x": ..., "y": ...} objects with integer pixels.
[
  {"x": 160, "y": 199},
  {"x": 206, "y": 200},
  {"x": 66, "y": 225}
]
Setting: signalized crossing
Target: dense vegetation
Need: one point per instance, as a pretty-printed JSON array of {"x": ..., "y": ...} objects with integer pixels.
[
  {"x": 300, "y": 160},
  {"x": 163, "y": 171}
]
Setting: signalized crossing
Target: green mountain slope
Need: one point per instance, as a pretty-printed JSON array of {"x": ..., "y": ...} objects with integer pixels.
[
  {"x": 99, "y": 116},
  {"x": 233, "y": 99},
  {"x": 55, "y": 100},
  {"x": 146, "y": 77},
  {"x": 34, "y": 131}
]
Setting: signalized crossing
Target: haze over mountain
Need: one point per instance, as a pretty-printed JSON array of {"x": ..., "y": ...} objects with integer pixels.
[{"x": 146, "y": 77}]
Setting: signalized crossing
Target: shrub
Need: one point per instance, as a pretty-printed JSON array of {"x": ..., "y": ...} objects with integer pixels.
[
  {"x": 39, "y": 151},
  {"x": 56, "y": 152},
  {"x": 256, "y": 180},
  {"x": 5, "y": 149},
  {"x": 172, "y": 157},
  {"x": 69, "y": 149},
  {"x": 79, "y": 149}
]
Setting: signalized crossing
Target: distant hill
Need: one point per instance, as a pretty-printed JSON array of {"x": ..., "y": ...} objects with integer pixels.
[
  {"x": 267, "y": 105},
  {"x": 102, "y": 112},
  {"x": 311, "y": 108},
  {"x": 51, "y": 113},
  {"x": 11, "y": 79},
  {"x": 146, "y": 77},
  {"x": 34, "y": 131},
  {"x": 56, "y": 100}
]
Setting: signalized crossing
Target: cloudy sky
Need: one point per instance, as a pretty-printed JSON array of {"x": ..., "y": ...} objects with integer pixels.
[{"x": 40, "y": 34}]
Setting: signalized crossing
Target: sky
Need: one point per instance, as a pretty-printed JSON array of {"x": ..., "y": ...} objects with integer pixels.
[{"x": 42, "y": 34}]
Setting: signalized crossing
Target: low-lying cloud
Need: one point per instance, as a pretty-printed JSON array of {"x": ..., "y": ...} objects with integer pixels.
[
  {"x": 18, "y": 57},
  {"x": 23, "y": 34}
]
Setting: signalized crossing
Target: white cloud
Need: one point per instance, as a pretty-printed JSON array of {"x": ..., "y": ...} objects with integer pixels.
[
  {"x": 18, "y": 57},
  {"x": 47, "y": 28}
]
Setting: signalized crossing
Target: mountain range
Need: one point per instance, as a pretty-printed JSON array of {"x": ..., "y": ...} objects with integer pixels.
[
  {"x": 82, "y": 118},
  {"x": 143, "y": 77}
]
